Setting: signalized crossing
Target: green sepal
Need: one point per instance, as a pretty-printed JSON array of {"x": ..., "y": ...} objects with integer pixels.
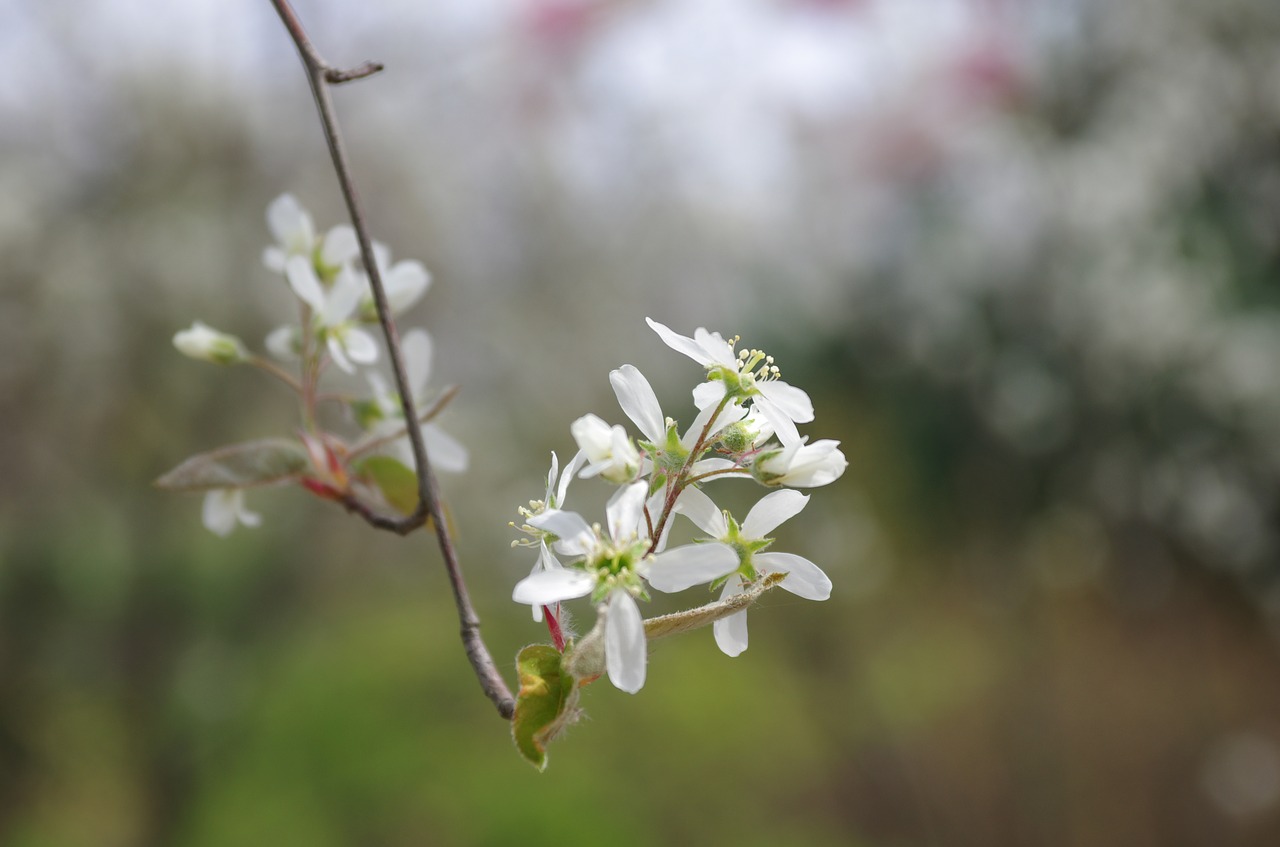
[
  {"x": 270, "y": 460},
  {"x": 367, "y": 413},
  {"x": 545, "y": 704},
  {"x": 657, "y": 482},
  {"x": 398, "y": 484}
]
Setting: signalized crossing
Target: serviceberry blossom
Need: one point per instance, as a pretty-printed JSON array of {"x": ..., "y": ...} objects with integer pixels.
[
  {"x": 611, "y": 568},
  {"x": 224, "y": 508},
  {"x": 746, "y": 374},
  {"x": 295, "y": 235},
  {"x": 750, "y": 540},
  {"x": 332, "y": 310}
]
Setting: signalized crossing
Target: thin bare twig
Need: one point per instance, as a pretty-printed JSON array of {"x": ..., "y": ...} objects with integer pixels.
[{"x": 320, "y": 75}]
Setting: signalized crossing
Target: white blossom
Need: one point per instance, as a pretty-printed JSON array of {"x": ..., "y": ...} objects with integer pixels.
[
  {"x": 610, "y": 568},
  {"x": 332, "y": 309},
  {"x": 224, "y": 508}
]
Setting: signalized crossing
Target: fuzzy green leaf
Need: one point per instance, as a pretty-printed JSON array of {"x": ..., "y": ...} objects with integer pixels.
[
  {"x": 398, "y": 484},
  {"x": 252, "y": 463},
  {"x": 546, "y": 703}
]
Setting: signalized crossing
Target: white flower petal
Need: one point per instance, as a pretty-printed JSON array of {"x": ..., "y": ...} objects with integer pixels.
[
  {"x": 342, "y": 298},
  {"x": 638, "y": 401},
  {"x": 405, "y": 284},
  {"x": 804, "y": 578},
  {"x": 304, "y": 282},
  {"x": 219, "y": 512},
  {"x": 223, "y": 508},
  {"x": 593, "y": 436},
  {"x": 680, "y": 343},
  {"x": 417, "y": 349},
  {"x": 690, "y": 565},
  {"x": 731, "y": 632},
  {"x": 708, "y": 393},
  {"x": 283, "y": 342},
  {"x": 782, "y": 423},
  {"x": 716, "y": 347},
  {"x": 445, "y": 452},
  {"x": 575, "y": 534},
  {"x": 698, "y": 507},
  {"x": 546, "y": 587},
  {"x": 771, "y": 510},
  {"x": 340, "y": 246},
  {"x": 625, "y": 511},
  {"x": 793, "y": 402},
  {"x": 360, "y": 346},
  {"x": 290, "y": 224},
  {"x": 339, "y": 354},
  {"x": 562, "y": 492},
  {"x": 624, "y": 643},
  {"x": 704, "y": 466},
  {"x": 275, "y": 259}
]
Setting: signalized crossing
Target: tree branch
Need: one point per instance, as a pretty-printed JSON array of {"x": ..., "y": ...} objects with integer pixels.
[{"x": 320, "y": 75}]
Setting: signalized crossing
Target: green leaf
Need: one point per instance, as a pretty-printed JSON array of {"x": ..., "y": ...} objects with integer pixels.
[
  {"x": 546, "y": 703},
  {"x": 398, "y": 484},
  {"x": 238, "y": 466}
]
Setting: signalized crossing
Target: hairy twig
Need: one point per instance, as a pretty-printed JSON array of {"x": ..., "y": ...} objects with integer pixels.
[{"x": 321, "y": 75}]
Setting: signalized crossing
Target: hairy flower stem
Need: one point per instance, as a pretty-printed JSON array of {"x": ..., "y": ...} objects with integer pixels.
[{"x": 320, "y": 75}]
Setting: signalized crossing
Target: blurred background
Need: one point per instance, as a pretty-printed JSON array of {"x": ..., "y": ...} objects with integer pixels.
[{"x": 1023, "y": 255}]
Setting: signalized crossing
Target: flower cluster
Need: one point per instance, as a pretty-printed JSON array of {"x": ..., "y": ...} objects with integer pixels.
[
  {"x": 746, "y": 427},
  {"x": 335, "y": 304}
]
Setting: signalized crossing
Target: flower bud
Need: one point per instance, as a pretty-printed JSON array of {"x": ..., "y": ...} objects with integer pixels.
[
  {"x": 206, "y": 343},
  {"x": 800, "y": 465}
]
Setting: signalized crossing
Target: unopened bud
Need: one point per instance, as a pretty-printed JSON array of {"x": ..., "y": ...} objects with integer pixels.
[{"x": 206, "y": 343}]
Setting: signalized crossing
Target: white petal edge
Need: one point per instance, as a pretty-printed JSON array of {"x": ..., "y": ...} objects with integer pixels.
[
  {"x": 804, "y": 578},
  {"x": 690, "y": 565},
  {"x": 547, "y": 587},
  {"x": 304, "y": 282},
  {"x": 360, "y": 346},
  {"x": 638, "y": 401},
  {"x": 699, "y": 508},
  {"x": 624, "y": 644},
  {"x": 417, "y": 348},
  {"x": 679, "y": 343},
  {"x": 340, "y": 245},
  {"x": 782, "y": 423},
  {"x": 445, "y": 452},
  {"x": 771, "y": 511},
  {"x": 731, "y": 632},
  {"x": 625, "y": 510},
  {"x": 708, "y": 393},
  {"x": 794, "y": 402}
]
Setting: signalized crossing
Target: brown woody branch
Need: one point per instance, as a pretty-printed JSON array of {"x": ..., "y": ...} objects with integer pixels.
[{"x": 321, "y": 75}]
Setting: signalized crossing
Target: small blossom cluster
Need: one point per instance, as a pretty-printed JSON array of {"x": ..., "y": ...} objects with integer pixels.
[
  {"x": 335, "y": 305},
  {"x": 745, "y": 427}
]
